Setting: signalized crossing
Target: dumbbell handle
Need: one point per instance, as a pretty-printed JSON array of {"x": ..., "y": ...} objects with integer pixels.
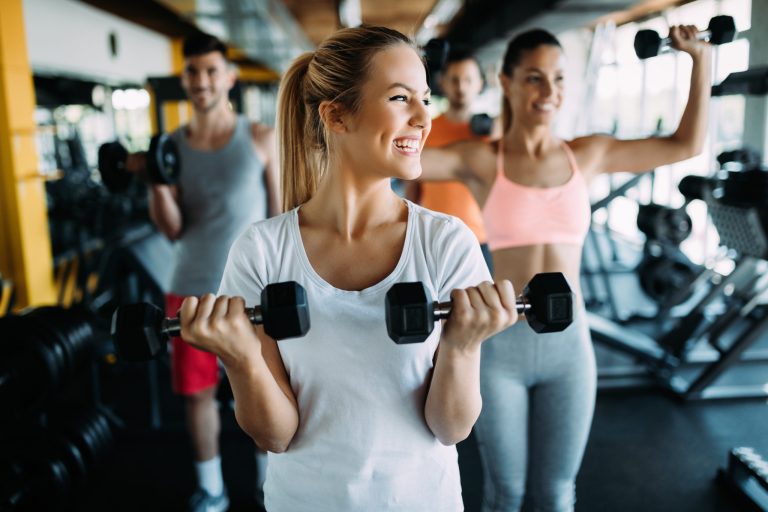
[
  {"x": 702, "y": 35},
  {"x": 171, "y": 327},
  {"x": 442, "y": 310}
]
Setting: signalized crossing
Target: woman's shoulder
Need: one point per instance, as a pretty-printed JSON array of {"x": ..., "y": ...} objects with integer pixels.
[
  {"x": 266, "y": 230},
  {"x": 429, "y": 217},
  {"x": 588, "y": 144},
  {"x": 588, "y": 150},
  {"x": 437, "y": 225}
]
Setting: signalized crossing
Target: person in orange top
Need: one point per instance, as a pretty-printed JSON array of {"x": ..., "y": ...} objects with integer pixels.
[{"x": 461, "y": 82}]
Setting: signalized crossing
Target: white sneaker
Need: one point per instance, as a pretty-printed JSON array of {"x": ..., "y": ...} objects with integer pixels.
[{"x": 201, "y": 501}]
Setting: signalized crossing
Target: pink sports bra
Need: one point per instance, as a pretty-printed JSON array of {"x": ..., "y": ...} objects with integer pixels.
[{"x": 517, "y": 215}]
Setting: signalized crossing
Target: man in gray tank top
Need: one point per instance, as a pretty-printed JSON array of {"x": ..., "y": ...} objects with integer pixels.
[{"x": 228, "y": 179}]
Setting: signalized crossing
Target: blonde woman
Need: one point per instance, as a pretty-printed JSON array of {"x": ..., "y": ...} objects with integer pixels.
[{"x": 353, "y": 421}]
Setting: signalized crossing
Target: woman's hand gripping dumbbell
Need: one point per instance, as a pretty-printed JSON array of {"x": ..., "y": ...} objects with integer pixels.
[
  {"x": 547, "y": 303},
  {"x": 140, "y": 331},
  {"x": 648, "y": 43}
]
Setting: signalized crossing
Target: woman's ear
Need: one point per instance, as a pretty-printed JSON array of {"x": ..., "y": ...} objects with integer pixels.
[{"x": 332, "y": 116}]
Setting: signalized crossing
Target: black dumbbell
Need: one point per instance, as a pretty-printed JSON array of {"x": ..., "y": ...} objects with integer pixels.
[
  {"x": 648, "y": 43},
  {"x": 699, "y": 187},
  {"x": 547, "y": 302},
  {"x": 481, "y": 124},
  {"x": 140, "y": 331},
  {"x": 163, "y": 161},
  {"x": 162, "y": 164},
  {"x": 740, "y": 158},
  {"x": 664, "y": 224},
  {"x": 664, "y": 272},
  {"x": 114, "y": 176},
  {"x": 47, "y": 473}
]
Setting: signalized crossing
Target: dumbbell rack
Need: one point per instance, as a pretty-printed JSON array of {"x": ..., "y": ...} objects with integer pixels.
[{"x": 747, "y": 473}]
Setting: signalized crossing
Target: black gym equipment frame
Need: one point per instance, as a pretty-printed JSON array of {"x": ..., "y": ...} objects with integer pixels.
[
  {"x": 662, "y": 366},
  {"x": 600, "y": 272},
  {"x": 138, "y": 263},
  {"x": 730, "y": 317},
  {"x": 753, "y": 81}
]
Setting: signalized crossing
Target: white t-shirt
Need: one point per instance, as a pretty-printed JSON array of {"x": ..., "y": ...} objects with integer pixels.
[{"x": 362, "y": 443}]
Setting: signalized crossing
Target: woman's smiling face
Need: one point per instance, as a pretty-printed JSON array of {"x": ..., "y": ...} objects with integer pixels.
[{"x": 386, "y": 135}]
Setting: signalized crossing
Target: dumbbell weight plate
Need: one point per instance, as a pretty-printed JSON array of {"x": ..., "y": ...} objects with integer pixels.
[
  {"x": 722, "y": 29},
  {"x": 163, "y": 161},
  {"x": 481, "y": 124},
  {"x": 647, "y": 44},
  {"x": 697, "y": 187},
  {"x": 742, "y": 157},
  {"x": 112, "y": 156},
  {"x": 665, "y": 275},
  {"x": 664, "y": 224}
]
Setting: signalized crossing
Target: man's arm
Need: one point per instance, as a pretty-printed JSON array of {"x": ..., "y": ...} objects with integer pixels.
[
  {"x": 164, "y": 208},
  {"x": 265, "y": 143}
]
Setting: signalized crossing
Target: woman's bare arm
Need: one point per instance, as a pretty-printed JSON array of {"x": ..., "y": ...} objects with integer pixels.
[
  {"x": 462, "y": 161},
  {"x": 608, "y": 154},
  {"x": 265, "y": 406}
]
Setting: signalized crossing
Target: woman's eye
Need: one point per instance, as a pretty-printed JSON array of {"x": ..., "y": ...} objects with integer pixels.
[
  {"x": 532, "y": 79},
  {"x": 399, "y": 97},
  {"x": 428, "y": 101}
]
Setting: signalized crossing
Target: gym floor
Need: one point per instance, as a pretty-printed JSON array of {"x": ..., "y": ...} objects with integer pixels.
[{"x": 647, "y": 452}]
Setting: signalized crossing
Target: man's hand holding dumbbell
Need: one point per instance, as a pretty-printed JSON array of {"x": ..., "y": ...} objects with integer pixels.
[
  {"x": 159, "y": 165},
  {"x": 136, "y": 163}
]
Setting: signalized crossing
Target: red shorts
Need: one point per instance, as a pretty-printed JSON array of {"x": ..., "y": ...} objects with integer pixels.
[{"x": 192, "y": 370}]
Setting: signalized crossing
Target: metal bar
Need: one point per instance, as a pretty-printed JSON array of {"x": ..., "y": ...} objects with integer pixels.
[{"x": 730, "y": 356}]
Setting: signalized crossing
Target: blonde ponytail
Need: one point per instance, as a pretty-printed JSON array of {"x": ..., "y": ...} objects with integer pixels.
[{"x": 299, "y": 180}]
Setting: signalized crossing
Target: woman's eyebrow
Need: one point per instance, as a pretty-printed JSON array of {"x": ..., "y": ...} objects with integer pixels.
[{"x": 409, "y": 89}]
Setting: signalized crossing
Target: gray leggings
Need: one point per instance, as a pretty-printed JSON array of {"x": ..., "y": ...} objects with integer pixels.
[{"x": 538, "y": 398}]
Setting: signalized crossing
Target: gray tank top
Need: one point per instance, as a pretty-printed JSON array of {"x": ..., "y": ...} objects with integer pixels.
[{"x": 221, "y": 192}]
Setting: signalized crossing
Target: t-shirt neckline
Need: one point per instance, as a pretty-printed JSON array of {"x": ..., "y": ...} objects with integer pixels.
[{"x": 322, "y": 283}]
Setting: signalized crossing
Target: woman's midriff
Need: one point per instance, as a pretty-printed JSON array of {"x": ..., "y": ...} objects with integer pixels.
[{"x": 520, "y": 264}]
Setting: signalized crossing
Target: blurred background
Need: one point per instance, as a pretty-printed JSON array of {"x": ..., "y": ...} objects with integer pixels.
[{"x": 675, "y": 396}]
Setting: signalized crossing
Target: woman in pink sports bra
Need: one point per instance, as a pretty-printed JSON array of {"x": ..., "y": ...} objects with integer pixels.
[{"x": 539, "y": 389}]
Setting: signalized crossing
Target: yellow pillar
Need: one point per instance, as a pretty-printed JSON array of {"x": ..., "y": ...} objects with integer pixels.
[
  {"x": 176, "y": 113},
  {"x": 25, "y": 246}
]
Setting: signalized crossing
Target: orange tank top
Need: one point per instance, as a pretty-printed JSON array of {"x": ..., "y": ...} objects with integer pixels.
[
  {"x": 452, "y": 197},
  {"x": 517, "y": 215}
]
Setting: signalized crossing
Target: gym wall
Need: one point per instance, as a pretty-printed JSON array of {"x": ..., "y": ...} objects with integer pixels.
[{"x": 82, "y": 43}]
